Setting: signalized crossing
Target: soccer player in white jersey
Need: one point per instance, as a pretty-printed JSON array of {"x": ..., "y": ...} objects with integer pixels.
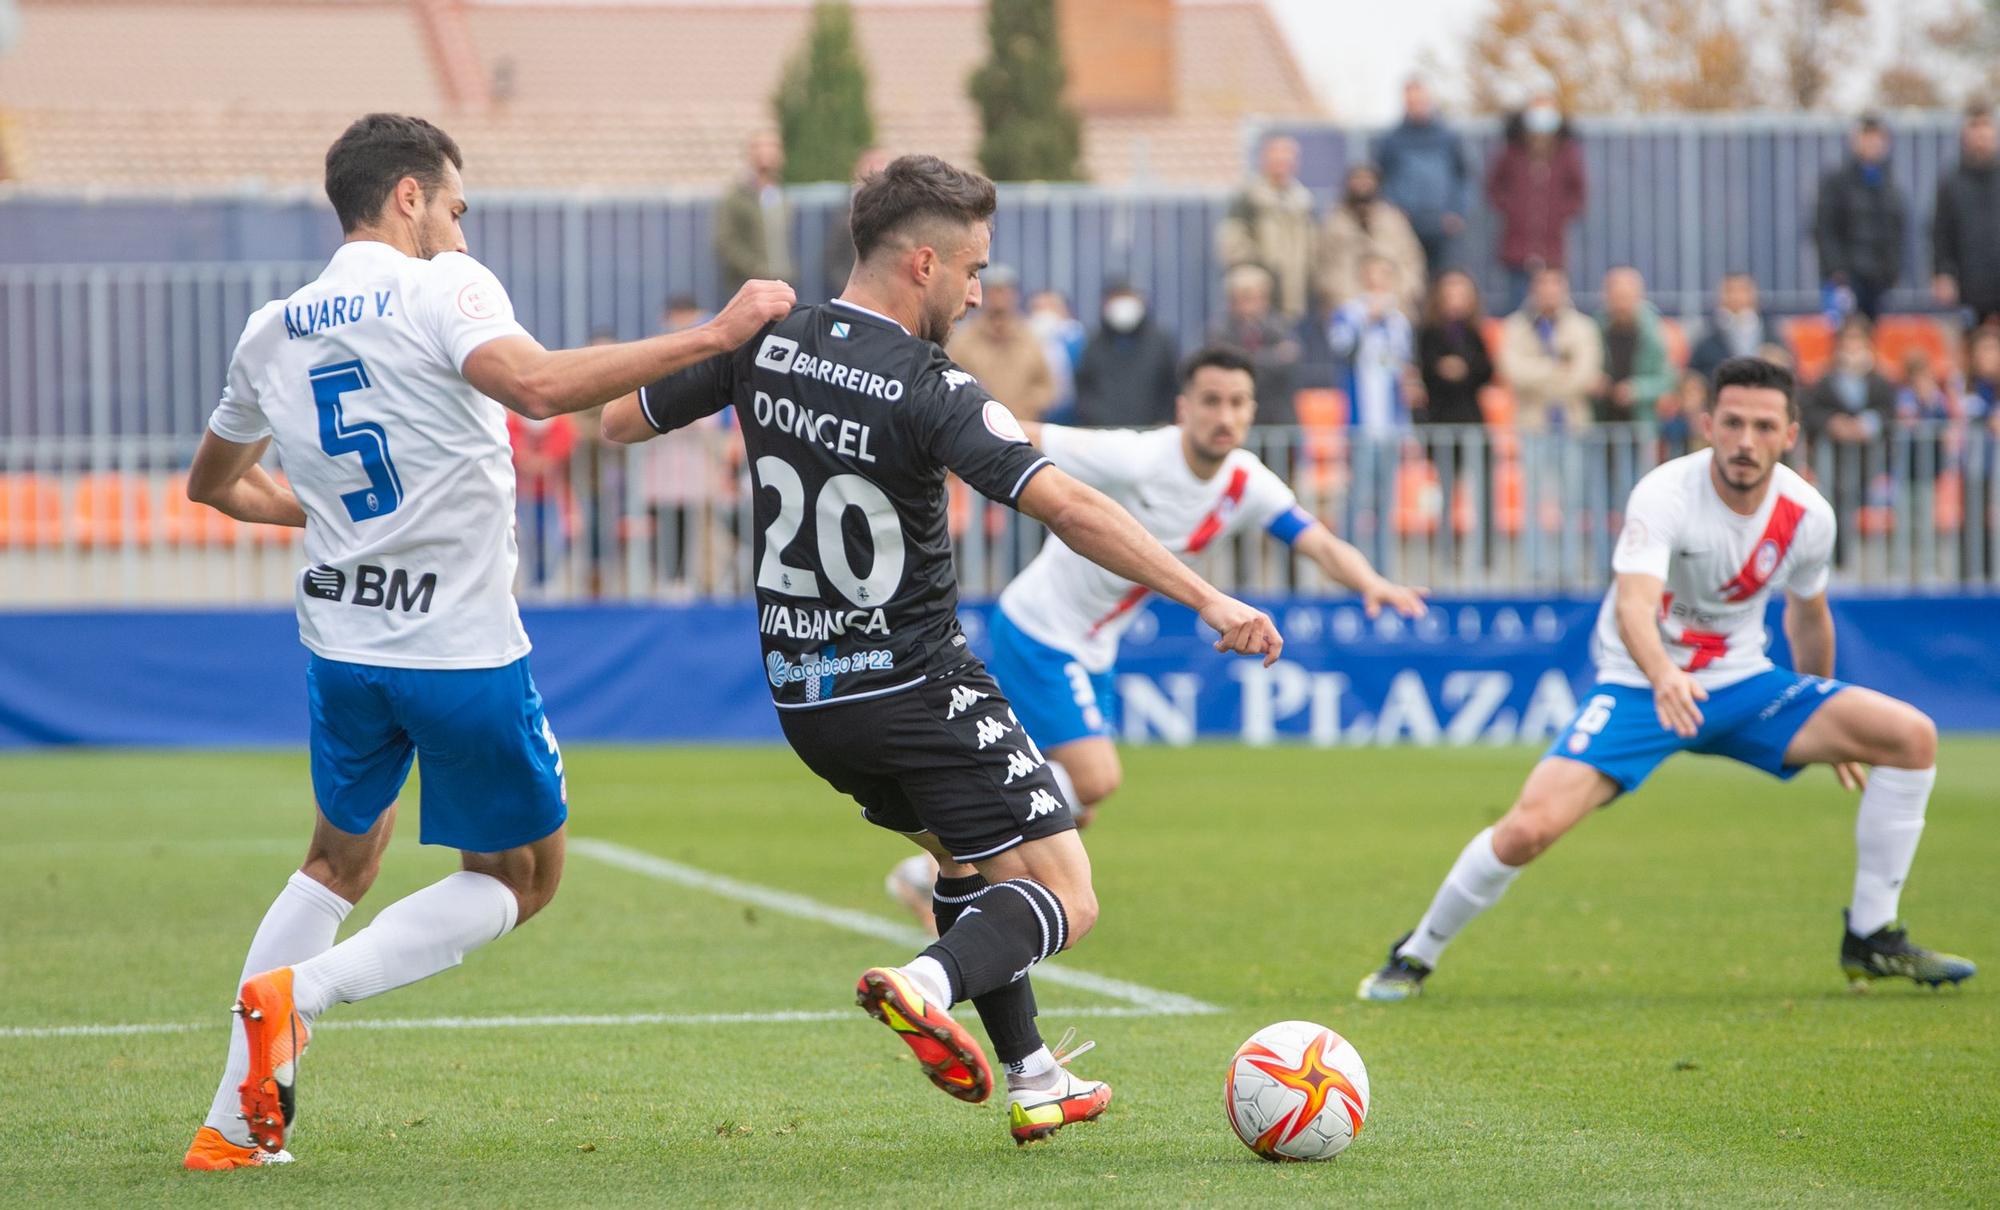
[
  {"x": 383, "y": 385},
  {"x": 1192, "y": 485},
  {"x": 1679, "y": 648}
]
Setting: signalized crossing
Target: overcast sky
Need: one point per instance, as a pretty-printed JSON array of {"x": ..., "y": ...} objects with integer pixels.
[{"x": 1357, "y": 52}]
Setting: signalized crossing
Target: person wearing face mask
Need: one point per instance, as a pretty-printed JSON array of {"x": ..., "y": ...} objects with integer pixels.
[
  {"x": 1536, "y": 187},
  {"x": 1363, "y": 226},
  {"x": 1126, "y": 377}
]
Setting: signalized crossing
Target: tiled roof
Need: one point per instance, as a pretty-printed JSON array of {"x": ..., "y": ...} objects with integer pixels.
[{"x": 204, "y": 93}]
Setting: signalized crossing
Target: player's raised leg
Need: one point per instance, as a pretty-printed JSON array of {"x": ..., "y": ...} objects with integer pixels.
[
  {"x": 1557, "y": 796},
  {"x": 1860, "y": 726},
  {"x": 301, "y": 923}
]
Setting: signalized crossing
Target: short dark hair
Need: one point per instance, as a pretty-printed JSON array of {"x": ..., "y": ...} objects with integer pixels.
[
  {"x": 1216, "y": 357},
  {"x": 911, "y": 190},
  {"x": 1758, "y": 374},
  {"x": 369, "y": 157}
]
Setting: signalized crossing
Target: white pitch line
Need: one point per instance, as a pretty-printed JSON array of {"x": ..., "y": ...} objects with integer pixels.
[
  {"x": 553, "y": 1021},
  {"x": 1153, "y": 1000}
]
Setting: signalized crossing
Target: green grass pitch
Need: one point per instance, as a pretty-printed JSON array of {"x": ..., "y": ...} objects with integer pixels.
[{"x": 1653, "y": 1016}]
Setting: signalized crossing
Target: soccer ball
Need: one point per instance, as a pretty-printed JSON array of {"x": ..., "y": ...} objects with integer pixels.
[{"x": 1297, "y": 1091}]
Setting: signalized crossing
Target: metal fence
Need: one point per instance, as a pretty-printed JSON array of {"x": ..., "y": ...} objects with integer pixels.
[
  {"x": 1683, "y": 198},
  {"x": 1466, "y": 509}
]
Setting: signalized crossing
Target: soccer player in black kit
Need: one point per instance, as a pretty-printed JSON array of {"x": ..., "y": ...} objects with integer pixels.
[{"x": 852, "y": 416}]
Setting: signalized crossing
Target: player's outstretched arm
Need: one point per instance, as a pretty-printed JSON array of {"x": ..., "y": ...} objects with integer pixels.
[
  {"x": 1350, "y": 569},
  {"x": 1094, "y": 526},
  {"x": 1675, "y": 691},
  {"x": 539, "y": 383},
  {"x": 226, "y": 477}
]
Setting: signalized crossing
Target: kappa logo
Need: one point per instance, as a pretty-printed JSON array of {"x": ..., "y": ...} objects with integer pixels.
[
  {"x": 962, "y": 698},
  {"x": 991, "y": 731},
  {"x": 1019, "y": 764},
  {"x": 776, "y": 354},
  {"x": 1041, "y": 803},
  {"x": 955, "y": 379}
]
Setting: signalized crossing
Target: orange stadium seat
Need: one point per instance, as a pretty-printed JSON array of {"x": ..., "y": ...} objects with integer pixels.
[
  {"x": 1322, "y": 414},
  {"x": 111, "y": 509},
  {"x": 30, "y": 512},
  {"x": 1811, "y": 339},
  {"x": 1897, "y": 336},
  {"x": 1419, "y": 499},
  {"x": 1510, "y": 508}
]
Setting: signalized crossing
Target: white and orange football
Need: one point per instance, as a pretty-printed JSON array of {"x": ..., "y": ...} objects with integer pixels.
[{"x": 1297, "y": 1091}]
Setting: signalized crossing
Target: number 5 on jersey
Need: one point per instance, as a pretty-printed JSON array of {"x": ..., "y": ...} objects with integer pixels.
[
  {"x": 836, "y": 496},
  {"x": 337, "y": 437}
]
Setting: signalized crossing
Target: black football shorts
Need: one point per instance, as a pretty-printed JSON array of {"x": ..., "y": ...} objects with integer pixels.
[{"x": 947, "y": 757}]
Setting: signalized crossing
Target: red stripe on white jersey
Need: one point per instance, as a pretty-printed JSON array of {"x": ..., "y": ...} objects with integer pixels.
[
  {"x": 1204, "y": 532},
  {"x": 1768, "y": 553}
]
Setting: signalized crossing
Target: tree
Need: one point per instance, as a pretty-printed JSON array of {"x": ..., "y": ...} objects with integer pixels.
[
  {"x": 822, "y": 101},
  {"x": 1649, "y": 56},
  {"x": 1030, "y": 132}
]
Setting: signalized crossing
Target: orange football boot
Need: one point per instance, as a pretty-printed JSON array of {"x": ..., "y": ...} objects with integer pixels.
[
  {"x": 278, "y": 1037},
  {"x": 950, "y": 1056},
  {"x": 210, "y": 1152}
]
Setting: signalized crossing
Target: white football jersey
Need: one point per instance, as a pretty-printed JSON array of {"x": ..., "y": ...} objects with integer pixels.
[
  {"x": 1066, "y": 601},
  {"x": 1719, "y": 568},
  {"x": 402, "y": 466}
]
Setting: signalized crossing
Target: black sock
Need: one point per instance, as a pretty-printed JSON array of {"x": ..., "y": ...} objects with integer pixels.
[
  {"x": 1015, "y": 924},
  {"x": 1009, "y": 1013}
]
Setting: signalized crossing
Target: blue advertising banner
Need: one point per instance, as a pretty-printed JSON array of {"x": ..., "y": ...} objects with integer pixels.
[{"x": 1473, "y": 671}]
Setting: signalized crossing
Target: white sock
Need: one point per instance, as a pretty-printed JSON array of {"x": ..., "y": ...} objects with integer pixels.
[
  {"x": 413, "y": 938},
  {"x": 930, "y": 978},
  {"x": 1068, "y": 787},
  {"x": 301, "y": 922},
  {"x": 1886, "y": 830},
  {"x": 1035, "y": 1071},
  {"x": 1476, "y": 882}
]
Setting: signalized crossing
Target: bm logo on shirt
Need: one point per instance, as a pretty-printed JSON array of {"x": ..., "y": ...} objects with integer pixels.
[{"x": 374, "y": 587}]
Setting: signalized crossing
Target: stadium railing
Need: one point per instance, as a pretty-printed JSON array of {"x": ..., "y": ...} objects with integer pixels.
[{"x": 1461, "y": 509}]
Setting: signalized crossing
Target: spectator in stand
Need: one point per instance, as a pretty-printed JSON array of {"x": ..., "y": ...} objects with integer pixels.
[
  {"x": 753, "y": 222},
  {"x": 1270, "y": 223},
  {"x": 1965, "y": 225},
  {"x": 837, "y": 248},
  {"x": 995, "y": 345},
  {"x": 1128, "y": 375},
  {"x": 1859, "y": 225},
  {"x": 1981, "y": 397},
  {"x": 1736, "y": 328},
  {"x": 1852, "y": 404},
  {"x": 1453, "y": 367},
  {"x": 1062, "y": 340},
  {"x": 1636, "y": 371},
  {"x": 1361, "y": 226},
  {"x": 1843, "y": 414},
  {"x": 1249, "y": 324},
  {"x": 1536, "y": 187},
  {"x": 1677, "y": 410},
  {"x": 545, "y": 507},
  {"x": 688, "y": 478},
  {"x": 1373, "y": 339},
  {"x": 1427, "y": 175},
  {"x": 1453, "y": 363},
  {"x": 1553, "y": 356},
  {"x": 1923, "y": 398}
]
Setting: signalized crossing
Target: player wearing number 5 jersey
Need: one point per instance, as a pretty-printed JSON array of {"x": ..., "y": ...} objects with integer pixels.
[
  {"x": 382, "y": 384},
  {"x": 852, "y": 415},
  {"x": 1679, "y": 648}
]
